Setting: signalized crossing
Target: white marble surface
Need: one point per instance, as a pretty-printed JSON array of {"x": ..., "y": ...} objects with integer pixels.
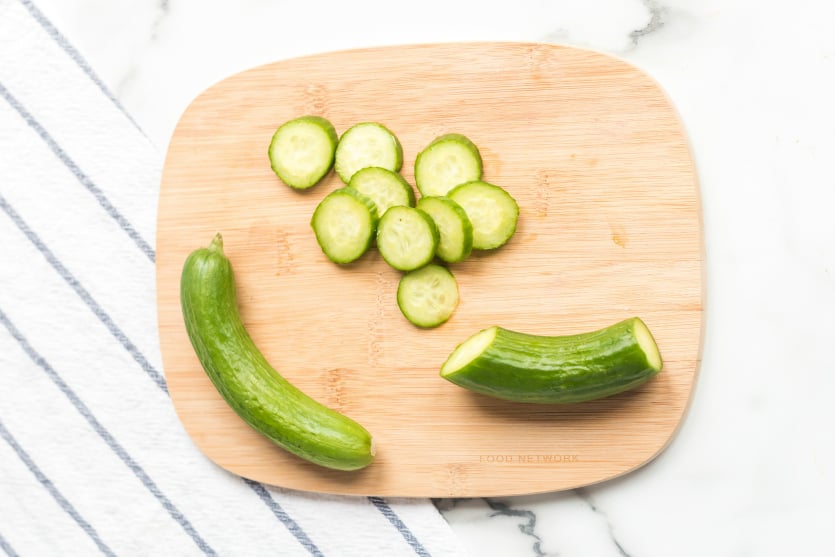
[{"x": 752, "y": 470}]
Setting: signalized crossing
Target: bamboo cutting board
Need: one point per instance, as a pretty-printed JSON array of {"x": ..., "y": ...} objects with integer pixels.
[{"x": 610, "y": 227}]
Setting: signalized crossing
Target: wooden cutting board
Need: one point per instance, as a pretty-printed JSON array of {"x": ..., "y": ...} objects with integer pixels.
[{"x": 610, "y": 227}]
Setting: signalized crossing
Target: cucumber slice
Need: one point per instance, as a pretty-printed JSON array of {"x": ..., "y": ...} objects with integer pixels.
[
  {"x": 344, "y": 223},
  {"x": 454, "y": 227},
  {"x": 384, "y": 187},
  {"x": 555, "y": 369},
  {"x": 407, "y": 238},
  {"x": 449, "y": 160},
  {"x": 428, "y": 296},
  {"x": 492, "y": 211},
  {"x": 302, "y": 151},
  {"x": 367, "y": 144}
]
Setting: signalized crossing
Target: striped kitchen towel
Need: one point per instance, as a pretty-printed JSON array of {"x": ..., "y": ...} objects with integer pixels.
[{"x": 92, "y": 456}]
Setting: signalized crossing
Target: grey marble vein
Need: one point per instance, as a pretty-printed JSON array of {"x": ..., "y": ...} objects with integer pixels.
[
  {"x": 529, "y": 528},
  {"x": 657, "y": 15},
  {"x": 125, "y": 81},
  {"x": 587, "y": 498},
  {"x": 164, "y": 8}
]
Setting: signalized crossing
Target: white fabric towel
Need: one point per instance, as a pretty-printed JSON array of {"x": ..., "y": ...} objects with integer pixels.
[{"x": 92, "y": 456}]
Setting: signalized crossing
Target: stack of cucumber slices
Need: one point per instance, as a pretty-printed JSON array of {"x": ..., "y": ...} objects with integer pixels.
[{"x": 457, "y": 211}]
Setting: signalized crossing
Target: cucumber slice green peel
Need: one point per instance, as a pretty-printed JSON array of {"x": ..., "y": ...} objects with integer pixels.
[
  {"x": 344, "y": 223},
  {"x": 302, "y": 151},
  {"x": 493, "y": 213},
  {"x": 407, "y": 238},
  {"x": 367, "y": 144},
  {"x": 449, "y": 160},
  {"x": 454, "y": 227},
  {"x": 428, "y": 296},
  {"x": 384, "y": 187},
  {"x": 522, "y": 367}
]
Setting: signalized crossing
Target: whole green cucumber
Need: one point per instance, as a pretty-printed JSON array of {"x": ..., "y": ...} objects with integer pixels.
[
  {"x": 555, "y": 369},
  {"x": 249, "y": 384}
]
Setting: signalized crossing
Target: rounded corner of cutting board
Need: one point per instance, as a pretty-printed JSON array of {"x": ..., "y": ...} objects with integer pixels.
[{"x": 589, "y": 142}]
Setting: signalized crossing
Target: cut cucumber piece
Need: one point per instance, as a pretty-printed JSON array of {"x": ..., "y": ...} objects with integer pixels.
[
  {"x": 367, "y": 144},
  {"x": 555, "y": 369},
  {"x": 407, "y": 238},
  {"x": 428, "y": 296},
  {"x": 302, "y": 151},
  {"x": 449, "y": 160},
  {"x": 492, "y": 212},
  {"x": 384, "y": 187},
  {"x": 454, "y": 227},
  {"x": 344, "y": 223}
]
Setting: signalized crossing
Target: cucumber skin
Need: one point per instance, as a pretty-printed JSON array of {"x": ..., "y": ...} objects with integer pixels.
[
  {"x": 558, "y": 369},
  {"x": 248, "y": 383}
]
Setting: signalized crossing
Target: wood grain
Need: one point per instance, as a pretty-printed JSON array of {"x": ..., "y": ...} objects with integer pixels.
[{"x": 610, "y": 227}]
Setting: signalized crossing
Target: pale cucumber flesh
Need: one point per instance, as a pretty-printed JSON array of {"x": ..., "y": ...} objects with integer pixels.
[
  {"x": 492, "y": 211},
  {"x": 384, "y": 187},
  {"x": 364, "y": 145},
  {"x": 428, "y": 296},
  {"x": 407, "y": 238},
  {"x": 344, "y": 223},
  {"x": 302, "y": 151},
  {"x": 446, "y": 162}
]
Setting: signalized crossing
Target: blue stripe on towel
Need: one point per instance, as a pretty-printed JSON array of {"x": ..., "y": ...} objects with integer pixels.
[
  {"x": 286, "y": 519},
  {"x": 50, "y": 487},
  {"x": 112, "y": 327},
  {"x": 78, "y": 173},
  {"x": 7, "y": 547},
  {"x": 392, "y": 517},
  {"x": 114, "y": 445},
  {"x": 56, "y": 35},
  {"x": 84, "y": 295}
]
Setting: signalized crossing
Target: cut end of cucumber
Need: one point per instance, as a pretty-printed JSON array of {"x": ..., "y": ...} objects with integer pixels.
[
  {"x": 468, "y": 351},
  {"x": 647, "y": 343}
]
